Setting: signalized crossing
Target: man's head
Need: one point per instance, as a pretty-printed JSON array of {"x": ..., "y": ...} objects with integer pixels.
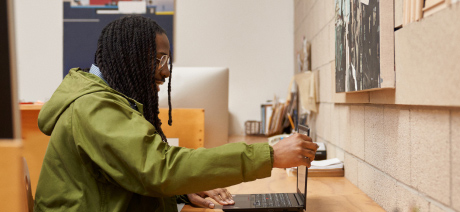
[
  {"x": 133, "y": 55},
  {"x": 162, "y": 56}
]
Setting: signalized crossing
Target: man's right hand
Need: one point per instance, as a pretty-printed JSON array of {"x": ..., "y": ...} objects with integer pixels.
[{"x": 295, "y": 150}]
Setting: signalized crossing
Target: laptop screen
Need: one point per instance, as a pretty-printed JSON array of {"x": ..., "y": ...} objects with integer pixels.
[
  {"x": 301, "y": 187},
  {"x": 302, "y": 171}
]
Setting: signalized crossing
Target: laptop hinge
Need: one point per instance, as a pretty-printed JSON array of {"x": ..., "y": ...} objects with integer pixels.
[{"x": 297, "y": 198}]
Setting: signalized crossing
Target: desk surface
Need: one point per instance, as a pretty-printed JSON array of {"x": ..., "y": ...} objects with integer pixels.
[{"x": 324, "y": 193}]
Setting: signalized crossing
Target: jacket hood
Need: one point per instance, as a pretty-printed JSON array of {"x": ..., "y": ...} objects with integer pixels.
[{"x": 76, "y": 84}]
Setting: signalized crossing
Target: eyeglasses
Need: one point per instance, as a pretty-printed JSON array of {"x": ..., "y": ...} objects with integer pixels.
[{"x": 163, "y": 60}]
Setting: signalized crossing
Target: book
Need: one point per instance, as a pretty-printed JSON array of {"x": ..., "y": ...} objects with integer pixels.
[{"x": 266, "y": 113}]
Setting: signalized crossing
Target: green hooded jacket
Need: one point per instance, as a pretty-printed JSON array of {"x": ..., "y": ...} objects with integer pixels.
[{"x": 105, "y": 156}]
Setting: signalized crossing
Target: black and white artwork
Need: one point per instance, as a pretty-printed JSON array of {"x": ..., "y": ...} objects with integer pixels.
[{"x": 357, "y": 45}]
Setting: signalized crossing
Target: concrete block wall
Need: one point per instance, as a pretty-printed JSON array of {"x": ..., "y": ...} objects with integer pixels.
[{"x": 400, "y": 150}]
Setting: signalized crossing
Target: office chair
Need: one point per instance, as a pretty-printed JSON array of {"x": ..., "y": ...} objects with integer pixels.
[{"x": 28, "y": 187}]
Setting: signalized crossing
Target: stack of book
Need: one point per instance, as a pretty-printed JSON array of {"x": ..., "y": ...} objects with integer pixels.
[
  {"x": 326, "y": 168},
  {"x": 322, "y": 168},
  {"x": 278, "y": 115}
]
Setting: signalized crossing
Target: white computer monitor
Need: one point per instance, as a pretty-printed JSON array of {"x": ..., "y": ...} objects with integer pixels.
[{"x": 198, "y": 87}]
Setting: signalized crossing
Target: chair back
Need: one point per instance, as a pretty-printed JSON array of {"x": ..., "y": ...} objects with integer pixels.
[{"x": 28, "y": 187}]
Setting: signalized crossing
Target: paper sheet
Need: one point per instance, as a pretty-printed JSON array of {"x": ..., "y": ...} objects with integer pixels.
[
  {"x": 180, "y": 206},
  {"x": 333, "y": 163},
  {"x": 307, "y": 89}
]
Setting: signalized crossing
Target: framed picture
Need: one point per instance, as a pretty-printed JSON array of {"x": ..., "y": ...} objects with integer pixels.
[
  {"x": 364, "y": 45},
  {"x": 85, "y": 19}
]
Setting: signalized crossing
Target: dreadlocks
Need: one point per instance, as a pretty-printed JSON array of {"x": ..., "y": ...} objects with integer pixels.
[{"x": 125, "y": 53}]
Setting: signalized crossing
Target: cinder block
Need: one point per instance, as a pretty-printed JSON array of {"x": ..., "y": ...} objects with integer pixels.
[
  {"x": 299, "y": 32},
  {"x": 366, "y": 179},
  {"x": 377, "y": 185},
  {"x": 339, "y": 125},
  {"x": 374, "y": 138},
  {"x": 320, "y": 49},
  {"x": 344, "y": 125},
  {"x": 312, "y": 123},
  {"x": 330, "y": 149},
  {"x": 315, "y": 11},
  {"x": 324, "y": 10},
  {"x": 320, "y": 120},
  {"x": 455, "y": 145},
  {"x": 339, "y": 153},
  {"x": 332, "y": 41},
  {"x": 329, "y": 10},
  {"x": 436, "y": 207},
  {"x": 325, "y": 84},
  {"x": 430, "y": 158},
  {"x": 309, "y": 5},
  {"x": 309, "y": 23},
  {"x": 384, "y": 193},
  {"x": 350, "y": 164},
  {"x": 323, "y": 123},
  {"x": 335, "y": 124},
  {"x": 328, "y": 121},
  {"x": 409, "y": 200},
  {"x": 397, "y": 142},
  {"x": 296, "y": 2},
  {"x": 299, "y": 14},
  {"x": 355, "y": 145}
]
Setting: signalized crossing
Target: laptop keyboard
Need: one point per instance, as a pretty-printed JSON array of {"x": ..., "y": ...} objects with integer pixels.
[{"x": 271, "y": 200}]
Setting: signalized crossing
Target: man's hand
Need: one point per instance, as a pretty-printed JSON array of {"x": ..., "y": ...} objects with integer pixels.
[
  {"x": 295, "y": 150},
  {"x": 220, "y": 195}
]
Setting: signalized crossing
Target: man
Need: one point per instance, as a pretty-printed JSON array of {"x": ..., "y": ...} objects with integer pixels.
[{"x": 107, "y": 151}]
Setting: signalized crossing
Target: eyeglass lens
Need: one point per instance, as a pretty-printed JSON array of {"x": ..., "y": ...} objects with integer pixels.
[{"x": 164, "y": 59}]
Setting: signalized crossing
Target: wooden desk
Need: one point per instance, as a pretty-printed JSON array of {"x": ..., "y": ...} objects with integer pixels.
[{"x": 323, "y": 194}]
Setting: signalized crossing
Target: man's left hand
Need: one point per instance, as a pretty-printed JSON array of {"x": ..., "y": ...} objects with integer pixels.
[{"x": 220, "y": 195}]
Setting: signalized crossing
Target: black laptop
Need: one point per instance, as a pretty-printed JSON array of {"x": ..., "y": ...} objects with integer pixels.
[{"x": 275, "y": 201}]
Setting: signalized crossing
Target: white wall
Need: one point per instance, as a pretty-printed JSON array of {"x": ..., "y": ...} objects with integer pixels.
[
  {"x": 254, "y": 39},
  {"x": 39, "y": 37}
]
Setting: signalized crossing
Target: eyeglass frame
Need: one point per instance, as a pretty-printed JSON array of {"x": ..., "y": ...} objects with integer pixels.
[{"x": 164, "y": 62}]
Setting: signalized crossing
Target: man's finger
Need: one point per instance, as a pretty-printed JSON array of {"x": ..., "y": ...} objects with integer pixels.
[
  {"x": 201, "y": 202},
  {"x": 215, "y": 195},
  {"x": 303, "y": 137},
  {"x": 224, "y": 195},
  {"x": 310, "y": 145},
  {"x": 307, "y": 162},
  {"x": 309, "y": 154}
]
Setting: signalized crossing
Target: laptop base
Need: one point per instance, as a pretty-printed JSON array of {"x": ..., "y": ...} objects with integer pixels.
[{"x": 243, "y": 203}]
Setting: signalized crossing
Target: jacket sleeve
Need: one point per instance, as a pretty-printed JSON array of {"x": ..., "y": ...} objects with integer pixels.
[{"x": 121, "y": 143}]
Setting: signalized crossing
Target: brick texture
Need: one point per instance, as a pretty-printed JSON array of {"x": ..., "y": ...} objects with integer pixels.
[
  {"x": 409, "y": 200},
  {"x": 323, "y": 124},
  {"x": 335, "y": 125},
  {"x": 430, "y": 158},
  {"x": 351, "y": 168},
  {"x": 355, "y": 145},
  {"x": 397, "y": 141},
  {"x": 320, "y": 49},
  {"x": 377, "y": 185},
  {"x": 375, "y": 148},
  {"x": 325, "y": 84},
  {"x": 455, "y": 146}
]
